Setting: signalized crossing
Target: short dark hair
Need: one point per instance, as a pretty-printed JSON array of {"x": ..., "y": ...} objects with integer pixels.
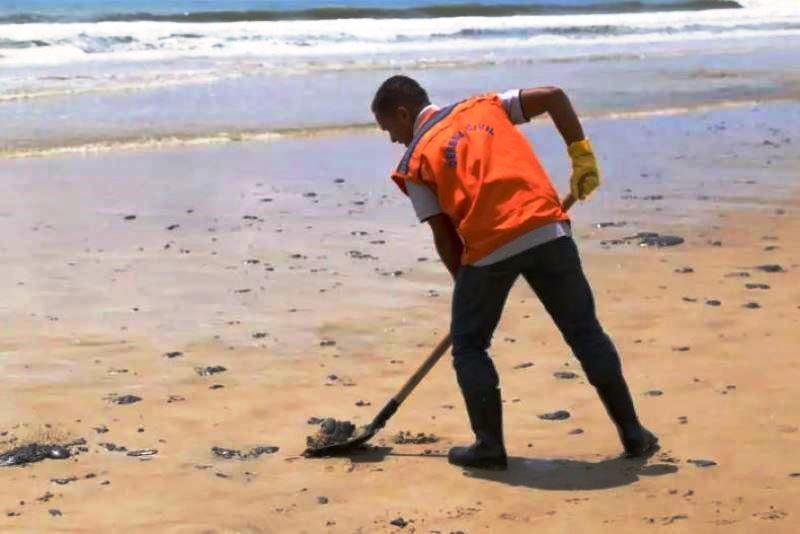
[{"x": 398, "y": 91}]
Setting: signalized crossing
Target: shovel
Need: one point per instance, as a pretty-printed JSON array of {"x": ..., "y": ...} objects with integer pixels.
[{"x": 366, "y": 432}]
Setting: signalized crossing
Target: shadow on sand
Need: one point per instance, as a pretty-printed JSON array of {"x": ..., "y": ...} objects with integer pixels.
[
  {"x": 567, "y": 475},
  {"x": 549, "y": 474},
  {"x": 369, "y": 454},
  {"x": 555, "y": 474}
]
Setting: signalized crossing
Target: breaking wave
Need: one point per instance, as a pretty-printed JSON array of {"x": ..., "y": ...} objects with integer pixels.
[{"x": 542, "y": 7}]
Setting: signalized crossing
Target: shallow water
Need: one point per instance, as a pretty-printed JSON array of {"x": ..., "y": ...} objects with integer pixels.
[{"x": 151, "y": 87}]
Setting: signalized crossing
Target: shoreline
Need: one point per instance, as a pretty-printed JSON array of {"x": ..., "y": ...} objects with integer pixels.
[{"x": 172, "y": 141}]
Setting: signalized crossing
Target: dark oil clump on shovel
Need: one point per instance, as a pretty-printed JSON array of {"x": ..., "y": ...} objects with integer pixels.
[{"x": 331, "y": 432}]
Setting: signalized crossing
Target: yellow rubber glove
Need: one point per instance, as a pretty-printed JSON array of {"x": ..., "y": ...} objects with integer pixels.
[{"x": 585, "y": 173}]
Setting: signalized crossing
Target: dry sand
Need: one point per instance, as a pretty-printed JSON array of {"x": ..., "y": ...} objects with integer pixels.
[{"x": 93, "y": 302}]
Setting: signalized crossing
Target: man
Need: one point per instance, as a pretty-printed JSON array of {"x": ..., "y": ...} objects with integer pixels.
[{"x": 495, "y": 216}]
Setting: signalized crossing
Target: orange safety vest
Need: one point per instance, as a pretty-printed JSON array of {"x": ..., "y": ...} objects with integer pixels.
[{"x": 484, "y": 172}]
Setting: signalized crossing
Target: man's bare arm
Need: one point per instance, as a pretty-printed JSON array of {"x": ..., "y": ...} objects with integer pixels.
[
  {"x": 554, "y": 101},
  {"x": 448, "y": 242}
]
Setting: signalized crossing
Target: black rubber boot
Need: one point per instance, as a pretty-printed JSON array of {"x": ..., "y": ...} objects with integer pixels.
[
  {"x": 485, "y": 411},
  {"x": 636, "y": 439}
]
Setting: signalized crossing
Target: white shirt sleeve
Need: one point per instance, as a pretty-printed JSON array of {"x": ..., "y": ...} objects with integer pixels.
[
  {"x": 424, "y": 200},
  {"x": 513, "y": 104}
]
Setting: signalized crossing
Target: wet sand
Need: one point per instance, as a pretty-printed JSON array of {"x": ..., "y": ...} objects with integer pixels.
[{"x": 320, "y": 305}]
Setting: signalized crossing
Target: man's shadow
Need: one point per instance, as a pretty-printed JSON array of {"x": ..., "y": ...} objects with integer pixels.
[
  {"x": 566, "y": 475},
  {"x": 556, "y": 474}
]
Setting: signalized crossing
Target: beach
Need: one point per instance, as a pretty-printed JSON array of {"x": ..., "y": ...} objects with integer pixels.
[
  {"x": 306, "y": 327},
  {"x": 196, "y": 272}
]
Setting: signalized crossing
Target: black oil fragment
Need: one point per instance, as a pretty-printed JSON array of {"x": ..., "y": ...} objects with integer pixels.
[
  {"x": 565, "y": 375},
  {"x": 234, "y": 454},
  {"x": 405, "y": 437},
  {"x": 211, "y": 370},
  {"x": 33, "y": 452},
  {"x": 558, "y": 415},
  {"x": 124, "y": 399},
  {"x": 702, "y": 463}
]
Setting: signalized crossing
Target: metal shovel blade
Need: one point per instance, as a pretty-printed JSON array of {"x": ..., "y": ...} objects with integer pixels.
[{"x": 359, "y": 437}]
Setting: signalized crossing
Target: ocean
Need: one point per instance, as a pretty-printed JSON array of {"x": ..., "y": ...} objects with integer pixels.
[
  {"x": 77, "y": 74},
  {"x": 48, "y": 32}
]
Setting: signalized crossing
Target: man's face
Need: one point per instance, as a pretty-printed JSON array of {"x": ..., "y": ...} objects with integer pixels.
[{"x": 399, "y": 124}]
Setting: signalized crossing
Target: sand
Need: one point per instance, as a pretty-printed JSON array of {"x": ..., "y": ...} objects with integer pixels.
[{"x": 295, "y": 324}]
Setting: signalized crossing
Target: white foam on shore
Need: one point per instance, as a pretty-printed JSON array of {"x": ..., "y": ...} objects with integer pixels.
[
  {"x": 677, "y": 110},
  {"x": 145, "y": 144},
  {"x": 35, "y": 89}
]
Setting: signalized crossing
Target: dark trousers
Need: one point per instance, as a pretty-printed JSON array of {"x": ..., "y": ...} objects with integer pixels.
[{"x": 553, "y": 270}]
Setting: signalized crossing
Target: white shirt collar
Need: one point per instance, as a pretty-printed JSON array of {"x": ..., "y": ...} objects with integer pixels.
[{"x": 431, "y": 107}]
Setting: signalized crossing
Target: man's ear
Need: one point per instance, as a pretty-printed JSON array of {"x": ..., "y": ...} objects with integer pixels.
[{"x": 403, "y": 114}]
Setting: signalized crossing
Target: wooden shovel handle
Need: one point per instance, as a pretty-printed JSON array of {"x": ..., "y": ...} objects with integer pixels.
[{"x": 427, "y": 365}]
